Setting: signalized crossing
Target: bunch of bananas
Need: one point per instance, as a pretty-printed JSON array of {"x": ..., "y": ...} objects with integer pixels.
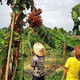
[{"x": 34, "y": 19}]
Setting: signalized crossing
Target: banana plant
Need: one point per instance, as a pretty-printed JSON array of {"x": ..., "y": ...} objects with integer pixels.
[
  {"x": 75, "y": 16},
  {"x": 3, "y": 53},
  {"x": 62, "y": 36},
  {"x": 44, "y": 33},
  {"x": 17, "y": 7}
]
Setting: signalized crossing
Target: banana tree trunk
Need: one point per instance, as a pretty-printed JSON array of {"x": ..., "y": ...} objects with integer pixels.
[
  {"x": 20, "y": 65},
  {"x": 17, "y": 28},
  {"x": 4, "y": 59},
  {"x": 3, "y": 69},
  {"x": 64, "y": 48},
  {"x": 19, "y": 69}
]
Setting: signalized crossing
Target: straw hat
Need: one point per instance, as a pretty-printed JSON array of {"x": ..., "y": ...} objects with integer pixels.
[
  {"x": 77, "y": 50},
  {"x": 39, "y": 49}
]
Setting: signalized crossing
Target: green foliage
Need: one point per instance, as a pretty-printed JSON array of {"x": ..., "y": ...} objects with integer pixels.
[
  {"x": 76, "y": 9},
  {"x": 19, "y": 71},
  {"x": 4, "y": 29},
  {"x": 58, "y": 75},
  {"x": 44, "y": 33},
  {"x": 59, "y": 62},
  {"x": 22, "y": 5},
  {"x": 15, "y": 10},
  {"x": 73, "y": 41},
  {"x": 55, "y": 76},
  {"x": 75, "y": 14},
  {"x": 1, "y": 41},
  {"x": 59, "y": 36},
  {"x": 29, "y": 37},
  {"x": 28, "y": 4},
  {"x": 1, "y": 34},
  {"x": 28, "y": 77},
  {"x": 15, "y": 36},
  {"x": 16, "y": 1},
  {"x": 5, "y": 45},
  {"x": 9, "y": 2},
  {"x": 22, "y": 15}
]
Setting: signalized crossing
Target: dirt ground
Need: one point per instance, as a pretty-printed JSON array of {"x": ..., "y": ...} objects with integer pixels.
[{"x": 49, "y": 66}]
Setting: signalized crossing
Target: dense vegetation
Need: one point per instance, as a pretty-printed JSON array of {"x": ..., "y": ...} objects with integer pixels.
[
  {"x": 59, "y": 36},
  {"x": 55, "y": 76}
]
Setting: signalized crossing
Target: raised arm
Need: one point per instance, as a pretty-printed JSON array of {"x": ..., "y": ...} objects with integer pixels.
[{"x": 32, "y": 51}]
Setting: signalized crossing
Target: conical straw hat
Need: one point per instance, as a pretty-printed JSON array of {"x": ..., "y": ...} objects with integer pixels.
[{"x": 39, "y": 49}]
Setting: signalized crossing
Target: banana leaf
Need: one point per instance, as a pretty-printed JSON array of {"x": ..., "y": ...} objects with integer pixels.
[
  {"x": 75, "y": 14},
  {"x": 44, "y": 33},
  {"x": 19, "y": 70}
]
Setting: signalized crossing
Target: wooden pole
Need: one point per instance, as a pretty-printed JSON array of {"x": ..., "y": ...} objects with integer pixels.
[
  {"x": 64, "y": 47},
  {"x": 8, "y": 59}
]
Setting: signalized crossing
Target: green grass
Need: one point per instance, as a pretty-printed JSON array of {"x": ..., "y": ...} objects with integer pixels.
[
  {"x": 28, "y": 77},
  {"x": 55, "y": 76},
  {"x": 59, "y": 62}
]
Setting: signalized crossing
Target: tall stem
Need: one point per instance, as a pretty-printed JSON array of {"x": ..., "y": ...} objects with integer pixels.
[
  {"x": 8, "y": 59},
  {"x": 64, "y": 47}
]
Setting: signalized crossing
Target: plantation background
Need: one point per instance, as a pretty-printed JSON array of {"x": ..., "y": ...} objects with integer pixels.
[{"x": 53, "y": 56}]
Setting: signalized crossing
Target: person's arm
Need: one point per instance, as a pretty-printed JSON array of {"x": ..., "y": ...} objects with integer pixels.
[
  {"x": 32, "y": 66},
  {"x": 66, "y": 67},
  {"x": 32, "y": 51},
  {"x": 64, "y": 73},
  {"x": 79, "y": 75}
]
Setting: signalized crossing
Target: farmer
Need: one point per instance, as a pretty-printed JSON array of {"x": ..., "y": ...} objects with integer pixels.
[
  {"x": 38, "y": 61},
  {"x": 72, "y": 66}
]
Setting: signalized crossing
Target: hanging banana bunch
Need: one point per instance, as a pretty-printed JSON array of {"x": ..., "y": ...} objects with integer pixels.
[
  {"x": 35, "y": 22},
  {"x": 34, "y": 18}
]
